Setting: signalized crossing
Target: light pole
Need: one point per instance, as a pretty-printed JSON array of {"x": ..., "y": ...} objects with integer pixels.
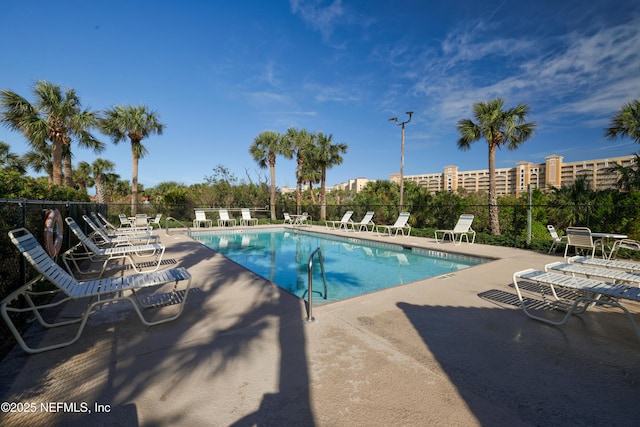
[{"x": 410, "y": 113}]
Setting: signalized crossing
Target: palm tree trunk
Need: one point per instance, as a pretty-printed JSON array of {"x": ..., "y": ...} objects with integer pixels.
[
  {"x": 313, "y": 196},
  {"x": 323, "y": 195},
  {"x": 56, "y": 153},
  {"x": 134, "y": 186},
  {"x": 299, "y": 187},
  {"x": 494, "y": 214},
  {"x": 68, "y": 172},
  {"x": 99, "y": 189},
  {"x": 272, "y": 201},
  {"x": 299, "y": 197}
]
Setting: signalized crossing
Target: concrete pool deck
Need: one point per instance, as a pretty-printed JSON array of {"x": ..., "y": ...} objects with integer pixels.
[{"x": 454, "y": 350}]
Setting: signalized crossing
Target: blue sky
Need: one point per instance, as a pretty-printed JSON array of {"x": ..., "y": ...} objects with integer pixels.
[{"x": 220, "y": 72}]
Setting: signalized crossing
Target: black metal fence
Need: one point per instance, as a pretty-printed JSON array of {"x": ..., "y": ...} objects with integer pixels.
[
  {"x": 31, "y": 214},
  {"x": 516, "y": 220}
]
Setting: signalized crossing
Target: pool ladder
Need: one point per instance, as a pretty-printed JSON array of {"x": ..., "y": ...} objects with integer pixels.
[{"x": 324, "y": 279}]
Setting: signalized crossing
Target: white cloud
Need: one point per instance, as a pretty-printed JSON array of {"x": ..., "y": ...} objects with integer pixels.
[
  {"x": 590, "y": 72},
  {"x": 338, "y": 93},
  {"x": 318, "y": 15},
  {"x": 267, "y": 100}
]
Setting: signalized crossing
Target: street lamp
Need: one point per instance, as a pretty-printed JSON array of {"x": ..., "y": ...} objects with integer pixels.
[{"x": 410, "y": 113}]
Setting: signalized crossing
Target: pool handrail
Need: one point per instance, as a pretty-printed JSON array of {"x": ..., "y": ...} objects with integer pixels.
[
  {"x": 166, "y": 225},
  {"x": 310, "y": 317}
]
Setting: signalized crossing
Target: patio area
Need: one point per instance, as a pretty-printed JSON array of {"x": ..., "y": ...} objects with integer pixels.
[{"x": 451, "y": 350}]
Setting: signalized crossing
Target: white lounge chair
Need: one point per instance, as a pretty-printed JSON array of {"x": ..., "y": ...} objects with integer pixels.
[
  {"x": 111, "y": 229},
  {"x": 462, "y": 229},
  {"x": 580, "y": 238},
  {"x": 400, "y": 225},
  {"x": 630, "y": 266},
  {"x": 88, "y": 250},
  {"x": 201, "y": 218},
  {"x": 589, "y": 293},
  {"x": 287, "y": 218},
  {"x": 94, "y": 292},
  {"x": 225, "y": 219},
  {"x": 247, "y": 219},
  {"x": 589, "y": 271},
  {"x": 102, "y": 238},
  {"x": 555, "y": 239},
  {"x": 364, "y": 224},
  {"x": 343, "y": 223}
]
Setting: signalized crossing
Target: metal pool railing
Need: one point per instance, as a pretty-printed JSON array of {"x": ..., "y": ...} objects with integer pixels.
[
  {"x": 166, "y": 225},
  {"x": 324, "y": 279}
]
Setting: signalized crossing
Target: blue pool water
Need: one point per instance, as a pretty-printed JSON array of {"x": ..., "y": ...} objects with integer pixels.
[{"x": 352, "y": 266}]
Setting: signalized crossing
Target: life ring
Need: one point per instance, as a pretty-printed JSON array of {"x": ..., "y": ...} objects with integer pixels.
[{"x": 53, "y": 232}]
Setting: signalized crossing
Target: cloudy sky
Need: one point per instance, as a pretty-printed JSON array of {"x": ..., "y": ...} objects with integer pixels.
[{"x": 221, "y": 72}]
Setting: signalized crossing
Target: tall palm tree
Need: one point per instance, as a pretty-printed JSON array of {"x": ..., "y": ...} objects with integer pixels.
[
  {"x": 626, "y": 122},
  {"x": 56, "y": 117},
  {"x": 133, "y": 123},
  {"x": 499, "y": 127},
  {"x": 326, "y": 156},
  {"x": 266, "y": 146},
  {"x": 301, "y": 142}
]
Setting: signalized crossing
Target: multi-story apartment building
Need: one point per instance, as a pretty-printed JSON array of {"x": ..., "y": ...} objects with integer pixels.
[
  {"x": 553, "y": 173},
  {"x": 354, "y": 184}
]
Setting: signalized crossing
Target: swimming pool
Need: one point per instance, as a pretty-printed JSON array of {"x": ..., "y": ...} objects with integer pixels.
[{"x": 352, "y": 266}]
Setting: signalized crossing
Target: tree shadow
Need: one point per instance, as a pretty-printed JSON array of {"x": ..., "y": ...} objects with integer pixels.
[
  {"x": 236, "y": 356},
  {"x": 499, "y": 359}
]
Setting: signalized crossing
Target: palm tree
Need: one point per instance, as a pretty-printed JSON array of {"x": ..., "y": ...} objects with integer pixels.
[
  {"x": 301, "y": 142},
  {"x": 499, "y": 128},
  {"x": 10, "y": 160},
  {"x": 101, "y": 168},
  {"x": 628, "y": 176},
  {"x": 577, "y": 195},
  {"x": 40, "y": 161},
  {"x": 310, "y": 175},
  {"x": 55, "y": 117},
  {"x": 115, "y": 188},
  {"x": 326, "y": 155},
  {"x": 626, "y": 122},
  {"x": 133, "y": 123},
  {"x": 264, "y": 150},
  {"x": 82, "y": 176}
]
